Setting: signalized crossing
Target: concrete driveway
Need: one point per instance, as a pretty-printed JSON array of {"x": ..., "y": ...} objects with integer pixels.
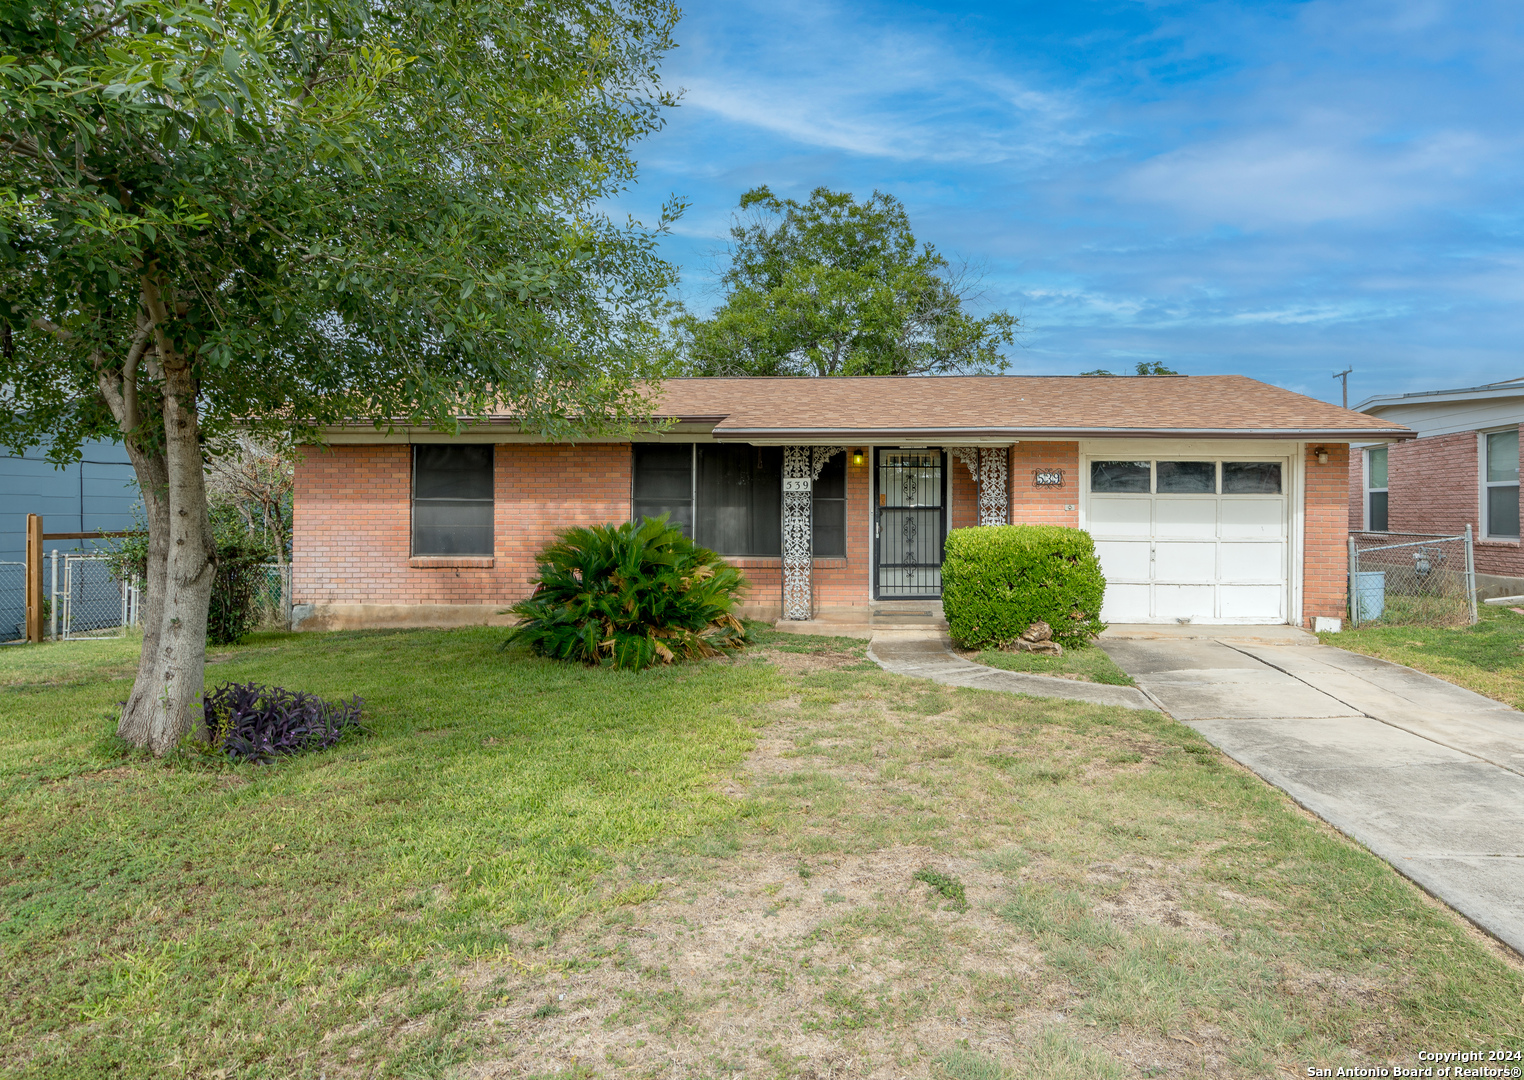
[{"x": 1427, "y": 775}]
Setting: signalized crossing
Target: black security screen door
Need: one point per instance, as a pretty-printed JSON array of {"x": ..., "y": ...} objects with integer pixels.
[{"x": 911, "y": 524}]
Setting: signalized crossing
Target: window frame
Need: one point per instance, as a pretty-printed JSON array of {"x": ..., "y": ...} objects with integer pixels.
[
  {"x": 694, "y": 503},
  {"x": 1365, "y": 462},
  {"x": 413, "y": 499},
  {"x": 1484, "y": 507}
]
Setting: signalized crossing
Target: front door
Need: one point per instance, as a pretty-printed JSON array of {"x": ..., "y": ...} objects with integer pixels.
[{"x": 911, "y": 524}]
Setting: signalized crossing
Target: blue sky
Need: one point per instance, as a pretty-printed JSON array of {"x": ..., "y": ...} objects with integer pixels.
[{"x": 1274, "y": 189}]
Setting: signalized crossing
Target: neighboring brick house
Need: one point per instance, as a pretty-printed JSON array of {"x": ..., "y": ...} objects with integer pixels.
[
  {"x": 1462, "y": 469},
  {"x": 1212, "y": 499}
]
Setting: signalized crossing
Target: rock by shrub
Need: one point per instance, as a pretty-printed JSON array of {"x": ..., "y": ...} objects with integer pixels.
[
  {"x": 631, "y": 595},
  {"x": 998, "y": 580}
]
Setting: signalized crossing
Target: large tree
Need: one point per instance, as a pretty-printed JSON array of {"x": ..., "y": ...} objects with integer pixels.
[
  {"x": 834, "y": 286},
  {"x": 257, "y": 214}
]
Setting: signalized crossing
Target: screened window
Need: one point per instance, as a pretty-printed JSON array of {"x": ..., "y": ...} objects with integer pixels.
[
  {"x": 1187, "y": 477},
  {"x": 830, "y": 499},
  {"x": 1123, "y": 477},
  {"x": 1375, "y": 489},
  {"x": 740, "y": 490},
  {"x": 452, "y": 500},
  {"x": 730, "y": 498},
  {"x": 1502, "y": 483},
  {"x": 664, "y": 483},
  {"x": 1251, "y": 477}
]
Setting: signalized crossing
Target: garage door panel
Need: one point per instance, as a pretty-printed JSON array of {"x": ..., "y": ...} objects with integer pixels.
[
  {"x": 1123, "y": 559},
  {"x": 1185, "y": 517},
  {"x": 1248, "y": 518},
  {"x": 1177, "y": 561},
  {"x": 1243, "y": 562},
  {"x": 1260, "y": 603},
  {"x": 1120, "y": 517},
  {"x": 1125, "y": 603},
  {"x": 1184, "y": 601}
]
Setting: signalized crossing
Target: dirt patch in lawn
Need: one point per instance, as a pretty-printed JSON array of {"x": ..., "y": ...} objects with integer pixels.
[{"x": 956, "y": 885}]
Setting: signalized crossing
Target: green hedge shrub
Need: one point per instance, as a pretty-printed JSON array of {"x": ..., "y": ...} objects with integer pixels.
[
  {"x": 631, "y": 595},
  {"x": 997, "y": 580}
]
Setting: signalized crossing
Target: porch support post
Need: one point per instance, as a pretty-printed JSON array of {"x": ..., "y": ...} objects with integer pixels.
[
  {"x": 801, "y": 465},
  {"x": 989, "y": 466}
]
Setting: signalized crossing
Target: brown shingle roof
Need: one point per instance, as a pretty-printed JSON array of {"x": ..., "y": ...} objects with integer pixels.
[{"x": 997, "y": 406}]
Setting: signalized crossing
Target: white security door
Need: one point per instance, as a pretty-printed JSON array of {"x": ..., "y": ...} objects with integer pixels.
[{"x": 1191, "y": 541}]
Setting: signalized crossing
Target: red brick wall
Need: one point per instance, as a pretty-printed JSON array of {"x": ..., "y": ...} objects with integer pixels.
[
  {"x": 1029, "y": 504},
  {"x": 353, "y": 515},
  {"x": 353, "y": 512},
  {"x": 1033, "y": 505},
  {"x": 1325, "y": 536},
  {"x": 1433, "y": 486}
]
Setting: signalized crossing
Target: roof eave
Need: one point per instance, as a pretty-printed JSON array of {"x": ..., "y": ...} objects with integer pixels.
[{"x": 753, "y": 434}]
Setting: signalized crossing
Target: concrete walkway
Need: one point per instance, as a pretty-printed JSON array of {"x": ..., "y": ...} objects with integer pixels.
[
  {"x": 1425, "y": 774},
  {"x": 925, "y": 655}
]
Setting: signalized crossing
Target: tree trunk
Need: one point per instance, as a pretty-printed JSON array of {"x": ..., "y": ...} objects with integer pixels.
[
  {"x": 120, "y": 390},
  {"x": 153, "y": 481},
  {"x": 179, "y": 665}
]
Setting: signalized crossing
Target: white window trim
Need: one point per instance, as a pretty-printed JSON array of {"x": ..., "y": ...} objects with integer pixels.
[
  {"x": 1484, "y": 485},
  {"x": 1365, "y": 484}
]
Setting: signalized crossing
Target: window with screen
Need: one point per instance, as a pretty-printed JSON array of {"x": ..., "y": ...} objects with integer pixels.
[
  {"x": 740, "y": 492},
  {"x": 830, "y": 493},
  {"x": 452, "y": 500},
  {"x": 730, "y": 498},
  {"x": 664, "y": 483},
  {"x": 1502, "y": 483},
  {"x": 1375, "y": 489}
]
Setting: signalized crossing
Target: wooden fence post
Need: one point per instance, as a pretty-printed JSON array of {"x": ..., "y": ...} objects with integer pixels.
[{"x": 34, "y": 577}]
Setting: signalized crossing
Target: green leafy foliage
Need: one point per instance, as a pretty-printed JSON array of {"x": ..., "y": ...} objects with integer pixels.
[
  {"x": 835, "y": 286},
  {"x": 326, "y": 209},
  {"x": 997, "y": 580},
  {"x": 1145, "y": 367},
  {"x": 631, "y": 595},
  {"x": 945, "y": 884},
  {"x": 233, "y": 612}
]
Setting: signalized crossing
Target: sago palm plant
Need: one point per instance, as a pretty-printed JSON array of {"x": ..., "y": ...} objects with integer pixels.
[{"x": 631, "y": 595}]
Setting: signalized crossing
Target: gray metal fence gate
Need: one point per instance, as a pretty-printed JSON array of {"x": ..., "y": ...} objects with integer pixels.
[
  {"x": 87, "y": 601},
  {"x": 1412, "y": 579}
]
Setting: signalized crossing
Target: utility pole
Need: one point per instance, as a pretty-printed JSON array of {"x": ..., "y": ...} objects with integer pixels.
[{"x": 1344, "y": 375}]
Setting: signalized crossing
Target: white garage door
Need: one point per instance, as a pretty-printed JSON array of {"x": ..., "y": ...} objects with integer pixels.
[{"x": 1191, "y": 541}]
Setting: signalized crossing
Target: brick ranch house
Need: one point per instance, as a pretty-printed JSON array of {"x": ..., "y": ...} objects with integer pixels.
[
  {"x": 1462, "y": 469},
  {"x": 1212, "y": 499}
]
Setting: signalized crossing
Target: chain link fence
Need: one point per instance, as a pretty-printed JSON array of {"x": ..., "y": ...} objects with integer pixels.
[
  {"x": 12, "y": 601},
  {"x": 1411, "y": 579},
  {"x": 83, "y": 600},
  {"x": 272, "y": 597},
  {"x": 87, "y": 600}
]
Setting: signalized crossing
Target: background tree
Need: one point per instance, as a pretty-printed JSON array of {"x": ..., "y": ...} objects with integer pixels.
[
  {"x": 1145, "y": 367},
  {"x": 253, "y": 478},
  {"x": 838, "y": 287},
  {"x": 271, "y": 216}
]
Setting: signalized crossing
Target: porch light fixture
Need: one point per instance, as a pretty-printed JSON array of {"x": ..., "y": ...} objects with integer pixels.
[
  {"x": 857, "y": 457},
  {"x": 1322, "y": 454}
]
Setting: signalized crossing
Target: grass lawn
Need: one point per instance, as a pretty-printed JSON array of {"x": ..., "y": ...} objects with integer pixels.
[
  {"x": 1088, "y": 664},
  {"x": 793, "y": 864},
  {"x": 1487, "y": 657}
]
